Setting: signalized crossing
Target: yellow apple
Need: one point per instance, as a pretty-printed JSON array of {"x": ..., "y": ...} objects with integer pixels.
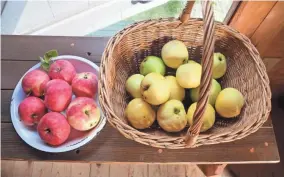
[
  {"x": 177, "y": 92},
  {"x": 133, "y": 85},
  {"x": 229, "y": 103},
  {"x": 208, "y": 116},
  {"x": 213, "y": 93},
  {"x": 140, "y": 114},
  {"x": 152, "y": 64},
  {"x": 188, "y": 75},
  {"x": 154, "y": 89},
  {"x": 219, "y": 65},
  {"x": 171, "y": 116},
  {"x": 174, "y": 53}
]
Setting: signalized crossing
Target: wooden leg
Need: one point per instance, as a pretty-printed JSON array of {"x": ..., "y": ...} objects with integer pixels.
[{"x": 214, "y": 170}]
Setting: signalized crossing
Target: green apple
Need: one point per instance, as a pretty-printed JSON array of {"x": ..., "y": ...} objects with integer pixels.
[
  {"x": 152, "y": 64},
  {"x": 177, "y": 92},
  {"x": 213, "y": 93},
  {"x": 188, "y": 75},
  {"x": 208, "y": 116},
  {"x": 219, "y": 65},
  {"x": 171, "y": 116},
  {"x": 229, "y": 103},
  {"x": 140, "y": 114},
  {"x": 133, "y": 85},
  {"x": 154, "y": 89},
  {"x": 174, "y": 53}
]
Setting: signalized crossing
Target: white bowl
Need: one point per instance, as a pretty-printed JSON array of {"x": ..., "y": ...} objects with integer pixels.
[{"x": 76, "y": 138}]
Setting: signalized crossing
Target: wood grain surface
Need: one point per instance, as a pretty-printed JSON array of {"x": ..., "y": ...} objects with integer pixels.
[
  {"x": 271, "y": 26},
  {"x": 110, "y": 146},
  {"x": 31, "y": 47},
  {"x": 250, "y": 15},
  {"x": 68, "y": 169},
  {"x": 19, "y": 53},
  {"x": 64, "y": 169}
]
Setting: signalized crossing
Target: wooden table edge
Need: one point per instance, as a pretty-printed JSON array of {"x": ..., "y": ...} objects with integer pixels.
[{"x": 170, "y": 163}]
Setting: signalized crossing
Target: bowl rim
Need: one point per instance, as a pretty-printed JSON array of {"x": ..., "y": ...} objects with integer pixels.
[{"x": 84, "y": 140}]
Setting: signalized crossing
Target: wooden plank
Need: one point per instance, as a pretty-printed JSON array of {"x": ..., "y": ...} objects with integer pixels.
[
  {"x": 176, "y": 171},
  {"x": 80, "y": 170},
  {"x": 275, "y": 48},
  {"x": 120, "y": 169},
  {"x": 139, "y": 170},
  {"x": 250, "y": 15},
  {"x": 269, "y": 28},
  {"x": 12, "y": 71},
  {"x": 157, "y": 170},
  {"x": 99, "y": 150},
  {"x": 193, "y": 170},
  {"x": 6, "y": 96},
  {"x": 7, "y": 167},
  {"x": 42, "y": 169},
  {"x": 21, "y": 47},
  {"x": 100, "y": 170},
  {"x": 61, "y": 169},
  {"x": 22, "y": 169}
]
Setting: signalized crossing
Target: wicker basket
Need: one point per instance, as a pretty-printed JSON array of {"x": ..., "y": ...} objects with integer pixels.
[{"x": 246, "y": 72}]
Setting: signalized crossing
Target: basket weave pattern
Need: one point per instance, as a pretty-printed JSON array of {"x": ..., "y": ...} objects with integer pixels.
[{"x": 246, "y": 72}]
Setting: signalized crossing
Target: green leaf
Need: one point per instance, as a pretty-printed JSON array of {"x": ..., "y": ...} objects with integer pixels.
[
  {"x": 45, "y": 66},
  {"x": 46, "y": 59},
  {"x": 50, "y": 54}
]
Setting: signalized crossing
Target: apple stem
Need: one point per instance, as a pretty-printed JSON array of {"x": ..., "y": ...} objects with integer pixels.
[
  {"x": 47, "y": 130},
  {"x": 87, "y": 112}
]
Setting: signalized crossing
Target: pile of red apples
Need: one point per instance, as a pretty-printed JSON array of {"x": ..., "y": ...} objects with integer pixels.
[{"x": 49, "y": 106}]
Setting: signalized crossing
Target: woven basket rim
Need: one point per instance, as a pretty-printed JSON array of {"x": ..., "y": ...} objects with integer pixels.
[{"x": 125, "y": 129}]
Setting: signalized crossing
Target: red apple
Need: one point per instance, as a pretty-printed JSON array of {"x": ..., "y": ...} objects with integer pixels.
[
  {"x": 57, "y": 96},
  {"x": 84, "y": 115},
  {"x": 53, "y": 128},
  {"x": 31, "y": 110},
  {"x": 62, "y": 69},
  {"x": 79, "y": 101},
  {"x": 85, "y": 84},
  {"x": 34, "y": 82}
]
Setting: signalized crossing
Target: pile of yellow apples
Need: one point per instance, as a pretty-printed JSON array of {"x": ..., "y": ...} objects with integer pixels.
[{"x": 159, "y": 97}]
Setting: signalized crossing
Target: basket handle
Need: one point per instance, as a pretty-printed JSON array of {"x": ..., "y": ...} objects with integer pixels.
[
  {"x": 206, "y": 63},
  {"x": 186, "y": 11}
]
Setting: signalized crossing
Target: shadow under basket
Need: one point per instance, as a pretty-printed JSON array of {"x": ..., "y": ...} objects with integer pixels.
[{"x": 246, "y": 72}]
